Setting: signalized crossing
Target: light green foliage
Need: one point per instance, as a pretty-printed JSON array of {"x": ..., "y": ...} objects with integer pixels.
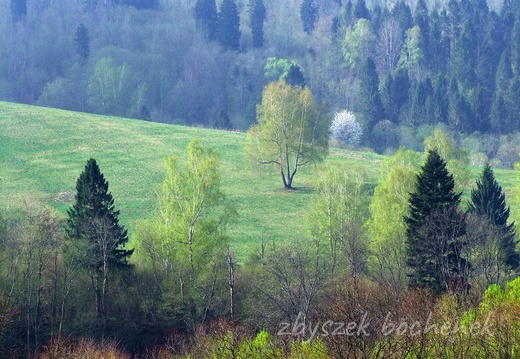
[
  {"x": 290, "y": 131},
  {"x": 314, "y": 349},
  {"x": 277, "y": 69},
  {"x": 260, "y": 347},
  {"x": 386, "y": 226},
  {"x": 336, "y": 214},
  {"x": 457, "y": 159},
  {"x": 411, "y": 54},
  {"x": 358, "y": 43},
  {"x": 108, "y": 86},
  {"x": 189, "y": 205}
]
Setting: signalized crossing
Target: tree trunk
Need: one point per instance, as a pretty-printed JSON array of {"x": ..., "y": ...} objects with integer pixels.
[{"x": 231, "y": 267}]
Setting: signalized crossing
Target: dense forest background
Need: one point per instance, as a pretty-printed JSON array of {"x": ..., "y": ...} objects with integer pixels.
[{"x": 401, "y": 67}]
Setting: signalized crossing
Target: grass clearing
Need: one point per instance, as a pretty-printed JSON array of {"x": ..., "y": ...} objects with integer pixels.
[{"x": 43, "y": 151}]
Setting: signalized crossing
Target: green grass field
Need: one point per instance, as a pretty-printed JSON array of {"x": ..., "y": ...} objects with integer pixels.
[{"x": 43, "y": 151}]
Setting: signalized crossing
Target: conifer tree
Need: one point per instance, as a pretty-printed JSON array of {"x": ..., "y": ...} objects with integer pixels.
[
  {"x": 228, "y": 25},
  {"x": 82, "y": 41},
  {"x": 94, "y": 206},
  {"x": 309, "y": 15},
  {"x": 361, "y": 10},
  {"x": 295, "y": 77},
  {"x": 206, "y": 17},
  {"x": 434, "y": 229},
  {"x": 258, "y": 13},
  {"x": 488, "y": 200},
  {"x": 370, "y": 104}
]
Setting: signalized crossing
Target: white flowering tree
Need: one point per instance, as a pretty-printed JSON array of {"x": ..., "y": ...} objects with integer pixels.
[{"x": 346, "y": 128}]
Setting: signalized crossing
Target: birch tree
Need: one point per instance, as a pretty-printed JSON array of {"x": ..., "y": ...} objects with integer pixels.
[{"x": 290, "y": 132}]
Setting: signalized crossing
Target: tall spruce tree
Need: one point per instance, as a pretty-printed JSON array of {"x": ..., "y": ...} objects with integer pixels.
[
  {"x": 370, "y": 104},
  {"x": 82, "y": 41},
  {"x": 435, "y": 229},
  {"x": 206, "y": 17},
  {"x": 94, "y": 208},
  {"x": 295, "y": 76},
  {"x": 258, "y": 14},
  {"x": 488, "y": 200},
  {"x": 228, "y": 25},
  {"x": 361, "y": 10},
  {"x": 309, "y": 15}
]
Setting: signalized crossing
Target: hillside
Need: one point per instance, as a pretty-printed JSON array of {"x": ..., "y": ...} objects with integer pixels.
[{"x": 44, "y": 150}]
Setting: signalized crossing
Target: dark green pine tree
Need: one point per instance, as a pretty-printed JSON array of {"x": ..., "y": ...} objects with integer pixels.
[
  {"x": 92, "y": 211},
  {"x": 206, "y": 17},
  {"x": 403, "y": 15},
  {"x": 370, "y": 104},
  {"x": 421, "y": 19},
  {"x": 434, "y": 229},
  {"x": 294, "y": 76},
  {"x": 18, "y": 10},
  {"x": 228, "y": 25},
  {"x": 361, "y": 10},
  {"x": 258, "y": 14},
  {"x": 309, "y": 15},
  {"x": 501, "y": 119},
  {"x": 488, "y": 200},
  {"x": 82, "y": 41},
  {"x": 515, "y": 48}
]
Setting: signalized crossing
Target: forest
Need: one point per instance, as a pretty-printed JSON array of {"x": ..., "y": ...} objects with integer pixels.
[
  {"x": 422, "y": 264},
  {"x": 403, "y": 67}
]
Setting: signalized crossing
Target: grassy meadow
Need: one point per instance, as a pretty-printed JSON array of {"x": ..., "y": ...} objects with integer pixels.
[{"x": 43, "y": 151}]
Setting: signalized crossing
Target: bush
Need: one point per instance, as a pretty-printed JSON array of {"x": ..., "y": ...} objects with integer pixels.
[{"x": 346, "y": 128}]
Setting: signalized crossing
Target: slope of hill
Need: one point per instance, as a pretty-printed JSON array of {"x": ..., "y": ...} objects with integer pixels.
[{"x": 43, "y": 151}]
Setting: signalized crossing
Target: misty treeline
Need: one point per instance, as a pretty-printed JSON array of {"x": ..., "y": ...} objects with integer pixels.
[
  {"x": 401, "y": 67},
  {"x": 76, "y": 286}
]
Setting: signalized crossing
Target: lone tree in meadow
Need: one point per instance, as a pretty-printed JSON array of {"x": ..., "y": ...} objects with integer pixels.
[
  {"x": 290, "y": 132},
  {"x": 435, "y": 230},
  {"x": 488, "y": 200},
  {"x": 93, "y": 225}
]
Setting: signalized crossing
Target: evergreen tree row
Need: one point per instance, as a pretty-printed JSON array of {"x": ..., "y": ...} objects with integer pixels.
[{"x": 440, "y": 244}]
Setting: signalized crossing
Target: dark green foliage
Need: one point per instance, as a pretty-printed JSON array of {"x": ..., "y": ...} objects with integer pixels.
[
  {"x": 257, "y": 13},
  {"x": 82, "y": 41},
  {"x": 515, "y": 47},
  {"x": 93, "y": 208},
  {"x": 309, "y": 15},
  {"x": 228, "y": 25},
  {"x": 370, "y": 104},
  {"x": 295, "y": 76},
  {"x": 361, "y": 11},
  {"x": 223, "y": 121},
  {"x": 18, "y": 10},
  {"x": 488, "y": 200},
  {"x": 206, "y": 17},
  {"x": 403, "y": 15},
  {"x": 420, "y": 93},
  {"x": 394, "y": 93},
  {"x": 434, "y": 229},
  {"x": 421, "y": 19}
]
